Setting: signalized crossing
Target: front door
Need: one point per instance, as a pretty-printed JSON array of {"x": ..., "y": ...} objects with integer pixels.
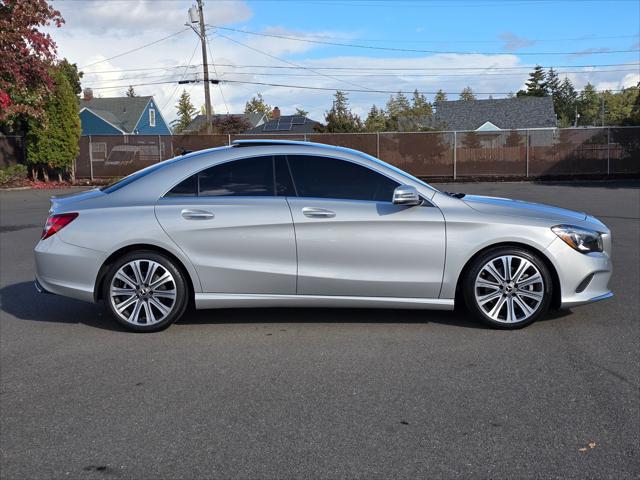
[{"x": 353, "y": 241}]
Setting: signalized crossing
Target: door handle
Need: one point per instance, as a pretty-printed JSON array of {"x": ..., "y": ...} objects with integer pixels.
[
  {"x": 197, "y": 214},
  {"x": 313, "y": 212}
]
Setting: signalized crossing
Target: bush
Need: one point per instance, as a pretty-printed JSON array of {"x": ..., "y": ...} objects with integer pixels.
[{"x": 12, "y": 174}]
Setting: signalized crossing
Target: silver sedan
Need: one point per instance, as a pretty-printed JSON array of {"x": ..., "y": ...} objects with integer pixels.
[{"x": 280, "y": 224}]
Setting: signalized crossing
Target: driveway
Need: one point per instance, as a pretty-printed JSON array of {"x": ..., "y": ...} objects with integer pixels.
[{"x": 322, "y": 393}]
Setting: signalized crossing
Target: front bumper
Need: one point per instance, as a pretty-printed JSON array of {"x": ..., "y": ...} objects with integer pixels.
[{"x": 583, "y": 278}]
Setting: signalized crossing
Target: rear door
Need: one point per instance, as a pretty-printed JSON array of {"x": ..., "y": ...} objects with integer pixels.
[
  {"x": 353, "y": 241},
  {"x": 235, "y": 230}
]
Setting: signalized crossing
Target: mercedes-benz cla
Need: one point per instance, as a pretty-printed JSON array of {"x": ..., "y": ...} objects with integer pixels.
[{"x": 278, "y": 224}]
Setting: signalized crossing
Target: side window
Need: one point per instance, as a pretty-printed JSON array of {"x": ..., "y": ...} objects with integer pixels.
[
  {"x": 152, "y": 117},
  {"x": 246, "y": 177},
  {"x": 284, "y": 183},
  {"x": 325, "y": 177},
  {"x": 186, "y": 188}
]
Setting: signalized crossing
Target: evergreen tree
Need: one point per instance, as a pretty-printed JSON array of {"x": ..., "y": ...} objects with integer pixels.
[
  {"x": 376, "y": 120},
  {"x": 467, "y": 94},
  {"x": 440, "y": 96},
  {"x": 70, "y": 71},
  {"x": 258, "y": 105},
  {"x": 565, "y": 103},
  {"x": 340, "y": 119},
  {"x": 536, "y": 85},
  {"x": 301, "y": 112},
  {"x": 588, "y": 105},
  {"x": 52, "y": 141},
  {"x": 397, "y": 105},
  {"x": 131, "y": 92},
  {"x": 186, "y": 112}
]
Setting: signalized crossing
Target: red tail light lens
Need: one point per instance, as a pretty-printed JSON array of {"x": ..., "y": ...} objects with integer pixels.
[{"x": 55, "y": 223}]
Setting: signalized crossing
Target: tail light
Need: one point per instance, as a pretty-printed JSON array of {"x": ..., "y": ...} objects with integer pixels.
[{"x": 55, "y": 223}]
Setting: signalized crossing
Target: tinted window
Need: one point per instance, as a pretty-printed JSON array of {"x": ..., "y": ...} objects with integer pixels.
[
  {"x": 246, "y": 177},
  {"x": 331, "y": 178},
  {"x": 284, "y": 184},
  {"x": 137, "y": 175},
  {"x": 187, "y": 187}
]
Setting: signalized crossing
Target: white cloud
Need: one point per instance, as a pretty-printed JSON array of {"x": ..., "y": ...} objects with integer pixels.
[
  {"x": 135, "y": 18},
  {"x": 513, "y": 42}
]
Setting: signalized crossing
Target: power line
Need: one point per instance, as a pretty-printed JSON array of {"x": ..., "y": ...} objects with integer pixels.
[
  {"x": 484, "y": 69},
  {"x": 411, "y": 50},
  {"x": 170, "y": 77},
  {"x": 290, "y": 63},
  {"x": 309, "y": 87},
  {"x": 184, "y": 73},
  {"x": 135, "y": 49}
]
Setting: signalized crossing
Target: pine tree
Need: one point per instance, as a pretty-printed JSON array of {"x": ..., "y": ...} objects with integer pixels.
[
  {"x": 301, "y": 112},
  {"x": 588, "y": 105},
  {"x": 376, "y": 120},
  {"x": 340, "y": 119},
  {"x": 52, "y": 142},
  {"x": 467, "y": 94},
  {"x": 186, "y": 111},
  {"x": 440, "y": 96},
  {"x": 565, "y": 103},
  {"x": 536, "y": 85},
  {"x": 258, "y": 105},
  {"x": 131, "y": 92}
]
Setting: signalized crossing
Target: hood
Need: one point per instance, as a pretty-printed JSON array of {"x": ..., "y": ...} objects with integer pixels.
[
  {"x": 60, "y": 202},
  {"x": 507, "y": 206}
]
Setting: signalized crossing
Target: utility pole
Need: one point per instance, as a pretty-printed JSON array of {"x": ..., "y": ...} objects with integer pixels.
[{"x": 205, "y": 66}]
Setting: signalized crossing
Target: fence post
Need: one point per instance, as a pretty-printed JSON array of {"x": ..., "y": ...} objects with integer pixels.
[
  {"x": 527, "y": 152},
  {"x": 159, "y": 150},
  {"x": 229, "y": 139},
  {"x": 608, "y": 149},
  {"x": 90, "y": 159},
  {"x": 455, "y": 153},
  {"x": 377, "y": 144},
  {"x": 305, "y": 137}
]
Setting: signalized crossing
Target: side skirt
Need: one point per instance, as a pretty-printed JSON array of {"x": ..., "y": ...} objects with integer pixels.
[{"x": 241, "y": 300}]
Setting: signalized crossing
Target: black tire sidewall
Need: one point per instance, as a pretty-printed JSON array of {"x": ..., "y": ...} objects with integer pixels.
[
  {"x": 181, "y": 290},
  {"x": 468, "y": 286}
]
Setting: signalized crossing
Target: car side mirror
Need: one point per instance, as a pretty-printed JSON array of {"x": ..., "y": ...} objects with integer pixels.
[{"x": 406, "y": 195}]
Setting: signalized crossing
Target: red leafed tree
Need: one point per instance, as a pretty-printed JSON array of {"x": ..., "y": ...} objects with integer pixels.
[{"x": 26, "y": 55}]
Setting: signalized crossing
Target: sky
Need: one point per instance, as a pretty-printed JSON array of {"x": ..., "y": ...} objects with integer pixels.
[{"x": 365, "y": 47}]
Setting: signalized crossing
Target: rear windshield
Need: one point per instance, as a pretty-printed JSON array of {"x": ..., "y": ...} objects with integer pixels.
[{"x": 137, "y": 175}]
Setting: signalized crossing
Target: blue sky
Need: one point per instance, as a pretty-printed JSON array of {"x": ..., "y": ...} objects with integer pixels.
[{"x": 496, "y": 44}]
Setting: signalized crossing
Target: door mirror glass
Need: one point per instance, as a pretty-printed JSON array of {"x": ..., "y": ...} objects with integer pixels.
[{"x": 406, "y": 195}]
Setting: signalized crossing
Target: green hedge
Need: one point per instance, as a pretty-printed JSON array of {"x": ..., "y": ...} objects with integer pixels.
[{"x": 12, "y": 174}]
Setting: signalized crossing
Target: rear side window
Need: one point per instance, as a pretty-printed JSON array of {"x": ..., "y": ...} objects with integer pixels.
[
  {"x": 248, "y": 177},
  {"x": 324, "y": 177}
]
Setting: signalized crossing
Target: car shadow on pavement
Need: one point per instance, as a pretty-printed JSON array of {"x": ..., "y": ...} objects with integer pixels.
[{"x": 23, "y": 302}]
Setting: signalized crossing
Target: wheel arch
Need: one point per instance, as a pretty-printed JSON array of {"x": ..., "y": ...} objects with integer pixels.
[
  {"x": 556, "y": 294},
  {"x": 97, "y": 290}
]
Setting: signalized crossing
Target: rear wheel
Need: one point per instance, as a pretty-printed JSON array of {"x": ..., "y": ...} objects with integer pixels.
[
  {"x": 508, "y": 288},
  {"x": 145, "y": 291}
]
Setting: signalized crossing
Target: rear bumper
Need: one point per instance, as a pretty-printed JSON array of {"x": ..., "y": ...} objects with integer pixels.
[{"x": 65, "y": 269}]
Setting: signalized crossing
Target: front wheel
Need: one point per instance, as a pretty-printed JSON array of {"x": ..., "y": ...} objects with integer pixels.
[
  {"x": 508, "y": 288},
  {"x": 144, "y": 291}
]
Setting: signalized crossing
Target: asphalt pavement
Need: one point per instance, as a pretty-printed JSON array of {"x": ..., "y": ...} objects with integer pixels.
[{"x": 315, "y": 393}]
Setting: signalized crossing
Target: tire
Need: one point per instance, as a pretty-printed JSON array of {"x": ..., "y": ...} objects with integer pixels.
[
  {"x": 508, "y": 302},
  {"x": 140, "y": 303}
]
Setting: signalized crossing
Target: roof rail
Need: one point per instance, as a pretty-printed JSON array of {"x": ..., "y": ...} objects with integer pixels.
[{"x": 266, "y": 141}]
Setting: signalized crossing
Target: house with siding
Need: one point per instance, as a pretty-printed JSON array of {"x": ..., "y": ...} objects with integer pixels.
[{"x": 121, "y": 116}]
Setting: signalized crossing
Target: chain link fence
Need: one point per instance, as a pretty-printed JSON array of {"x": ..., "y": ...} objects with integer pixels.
[{"x": 472, "y": 154}]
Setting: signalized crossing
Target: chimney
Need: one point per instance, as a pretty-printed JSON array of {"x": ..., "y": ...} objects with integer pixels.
[
  {"x": 87, "y": 94},
  {"x": 275, "y": 113}
]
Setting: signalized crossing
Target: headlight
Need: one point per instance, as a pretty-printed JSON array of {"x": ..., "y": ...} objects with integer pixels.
[{"x": 580, "y": 239}]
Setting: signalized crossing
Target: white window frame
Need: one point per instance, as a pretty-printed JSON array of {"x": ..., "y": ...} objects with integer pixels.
[{"x": 152, "y": 117}]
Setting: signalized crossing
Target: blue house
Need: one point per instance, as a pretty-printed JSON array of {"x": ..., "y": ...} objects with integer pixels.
[{"x": 121, "y": 116}]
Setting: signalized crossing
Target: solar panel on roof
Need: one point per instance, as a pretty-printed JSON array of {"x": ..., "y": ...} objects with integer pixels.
[
  {"x": 298, "y": 120},
  {"x": 284, "y": 123}
]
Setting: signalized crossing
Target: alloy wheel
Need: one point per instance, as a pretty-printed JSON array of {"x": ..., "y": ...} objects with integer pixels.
[
  {"x": 509, "y": 289},
  {"x": 143, "y": 292}
]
